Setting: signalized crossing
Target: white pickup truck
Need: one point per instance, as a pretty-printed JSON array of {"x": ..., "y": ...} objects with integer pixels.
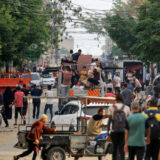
[{"x": 74, "y": 109}]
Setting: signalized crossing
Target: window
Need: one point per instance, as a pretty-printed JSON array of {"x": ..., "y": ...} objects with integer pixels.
[
  {"x": 70, "y": 109},
  {"x": 47, "y": 75}
]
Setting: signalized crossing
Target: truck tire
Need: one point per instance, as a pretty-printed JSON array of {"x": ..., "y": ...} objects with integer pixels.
[
  {"x": 99, "y": 157},
  {"x": 56, "y": 153},
  {"x": 44, "y": 155}
]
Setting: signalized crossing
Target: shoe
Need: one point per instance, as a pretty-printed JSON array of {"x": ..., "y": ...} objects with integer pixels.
[
  {"x": 15, "y": 124},
  {"x": 7, "y": 125},
  {"x": 15, "y": 158}
]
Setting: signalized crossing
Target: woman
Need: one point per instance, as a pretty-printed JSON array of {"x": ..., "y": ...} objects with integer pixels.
[{"x": 8, "y": 98}]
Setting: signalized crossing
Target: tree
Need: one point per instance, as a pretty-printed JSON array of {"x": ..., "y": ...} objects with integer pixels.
[
  {"x": 23, "y": 25},
  {"x": 148, "y": 33},
  {"x": 116, "y": 51}
]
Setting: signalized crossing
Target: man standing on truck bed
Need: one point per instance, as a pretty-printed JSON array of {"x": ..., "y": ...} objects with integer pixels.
[{"x": 34, "y": 136}]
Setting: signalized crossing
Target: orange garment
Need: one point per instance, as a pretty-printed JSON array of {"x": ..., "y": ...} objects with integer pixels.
[{"x": 36, "y": 130}]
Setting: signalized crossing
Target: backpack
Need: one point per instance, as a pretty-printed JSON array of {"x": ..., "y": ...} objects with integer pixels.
[
  {"x": 154, "y": 125},
  {"x": 119, "y": 118}
]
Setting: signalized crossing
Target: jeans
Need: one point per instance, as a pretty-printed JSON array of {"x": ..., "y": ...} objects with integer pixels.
[
  {"x": 136, "y": 151},
  {"x": 50, "y": 107},
  {"x": 31, "y": 148},
  {"x": 36, "y": 106},
  {"x": 152, "y": 150},
  {"x": 118, "y": 145}
]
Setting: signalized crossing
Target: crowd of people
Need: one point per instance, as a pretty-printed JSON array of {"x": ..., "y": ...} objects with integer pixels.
[{"x": 18, "y": 99}]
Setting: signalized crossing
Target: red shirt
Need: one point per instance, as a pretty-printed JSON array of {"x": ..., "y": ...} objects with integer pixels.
[
  {"x": 19, "y": 98},
  {"x": 37, "y": 128},
  {"x": 109, "y": 95}
]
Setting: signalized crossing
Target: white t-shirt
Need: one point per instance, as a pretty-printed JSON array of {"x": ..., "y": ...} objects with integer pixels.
[
  {"x": 49, "y": 93},
  {"x": 119, "y": 106},
  {"x": 138, "y": 83},
  {"x": 117, "y": 81},
  {"x": 148, "y": 76}
]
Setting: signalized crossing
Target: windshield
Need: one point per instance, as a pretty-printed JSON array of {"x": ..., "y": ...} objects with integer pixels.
[
  {"x": 33, "y": 76},
  {"x": 92, "y": 110},
  {"x": 47, "y": 75}
]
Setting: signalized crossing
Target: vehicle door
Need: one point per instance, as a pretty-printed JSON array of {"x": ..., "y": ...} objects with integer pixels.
[{"x": 68, "y": 115}]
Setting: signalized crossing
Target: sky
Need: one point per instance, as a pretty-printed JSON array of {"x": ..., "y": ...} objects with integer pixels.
[{"x": 86, "y": 42}]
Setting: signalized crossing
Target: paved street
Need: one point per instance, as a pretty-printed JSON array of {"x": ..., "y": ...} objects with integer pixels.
[{"x": 9, "y": 136}]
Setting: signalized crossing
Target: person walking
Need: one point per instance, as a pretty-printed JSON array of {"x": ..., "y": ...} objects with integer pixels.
[
  {"x": 153, "y": 115},
  {"x": 18, "y": 100},
  {"x": 127, "y": 95},
  {"x": 137, "y": 88},
  {"x": 25, "y": 103},
  {"x": 117, "y": 82},
  {"x": 49, "y": 103},
  {"x": 8, "y": 98},
  {"x": 118, "y": 113},
  {"x": 34, "y": 136},
  {"x": 36, "y": 101},
  {"x": 136, "y": 125}
]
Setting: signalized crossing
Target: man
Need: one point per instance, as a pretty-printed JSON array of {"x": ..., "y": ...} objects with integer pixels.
[
  {"x": 76, "y": 55},
  {"x": 18, "y": 96},
  {"x": 127, "y": 95},
  {"x": 36, "y": 101},
  {"x": 130, "y": 86},
  {"x": 25, "y": 103},
  {"x": 136, "y": 125},
  {"x": 49, "y": 103},
  {"x": 118, "y": 113},
  {"x": 148, "y": 77},
  {"x": 109, "y": 93},
  {"x": 117, "y": 82},
  {"x": 95, "y": 125},
  {"x": 34, "y": 136},
  {"x": 137, "y": 87},
  {"x": 154, "y": 146}
]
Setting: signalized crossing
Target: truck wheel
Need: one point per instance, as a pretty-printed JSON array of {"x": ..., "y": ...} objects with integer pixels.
[
  {"x": 44, "y": 155},
  {"x": 99, "y": 157},
  {"x": 56, "y": 153}
]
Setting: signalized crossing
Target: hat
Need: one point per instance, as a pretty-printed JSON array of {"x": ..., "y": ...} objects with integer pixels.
[{"x": 43, "y": 116}]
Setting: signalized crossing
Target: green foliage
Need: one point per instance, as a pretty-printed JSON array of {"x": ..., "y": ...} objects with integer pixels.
[
  {"x": 23, "y": 25},
  {"x": 116, "y": 51}
]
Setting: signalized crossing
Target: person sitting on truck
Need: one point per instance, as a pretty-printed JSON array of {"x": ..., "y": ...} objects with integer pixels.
[
  {"x": 34, "y": 136},
  {"x": 95, "y": 124},
  {"x": 109, "y": 93},
  {"x": 75, "y": 56}
]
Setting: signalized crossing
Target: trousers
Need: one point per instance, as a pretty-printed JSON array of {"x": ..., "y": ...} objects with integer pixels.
[
  {"x": 118, "y": 145},
  {"x": 137, "y": 152},
  {"x": 31, "y": 148}
]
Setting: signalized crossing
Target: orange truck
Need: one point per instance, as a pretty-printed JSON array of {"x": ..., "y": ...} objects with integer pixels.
[{"x": 12, "y": 80}]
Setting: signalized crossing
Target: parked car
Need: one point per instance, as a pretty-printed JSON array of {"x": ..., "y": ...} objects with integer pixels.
[
  {"x": 74, "y": 109},
  {"x": 35, "y": 78},
  {"x": 48, "y": 79}
]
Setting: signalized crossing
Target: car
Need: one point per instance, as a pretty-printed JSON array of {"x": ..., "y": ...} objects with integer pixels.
[
  {"x": 48, "y": 79},
  {"x": 35, "y": 78},
  {"x": 74, "y": 109}
]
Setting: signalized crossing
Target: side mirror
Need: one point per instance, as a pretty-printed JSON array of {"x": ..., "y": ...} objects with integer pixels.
[{"x": 57, "y": 113}]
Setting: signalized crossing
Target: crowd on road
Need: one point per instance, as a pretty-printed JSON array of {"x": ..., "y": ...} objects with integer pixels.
[
  {"x": 17, "y": 98},
  {"x": 134, "y": 125}
]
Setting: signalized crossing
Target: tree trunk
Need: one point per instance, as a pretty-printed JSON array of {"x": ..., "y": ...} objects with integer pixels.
[{"x": 7, "y": 67}]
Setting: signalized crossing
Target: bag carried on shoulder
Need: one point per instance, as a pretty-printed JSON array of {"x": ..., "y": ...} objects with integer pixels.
[
  {"x": 154, "y": 125},
  {"x": 118, "y": 120}
]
